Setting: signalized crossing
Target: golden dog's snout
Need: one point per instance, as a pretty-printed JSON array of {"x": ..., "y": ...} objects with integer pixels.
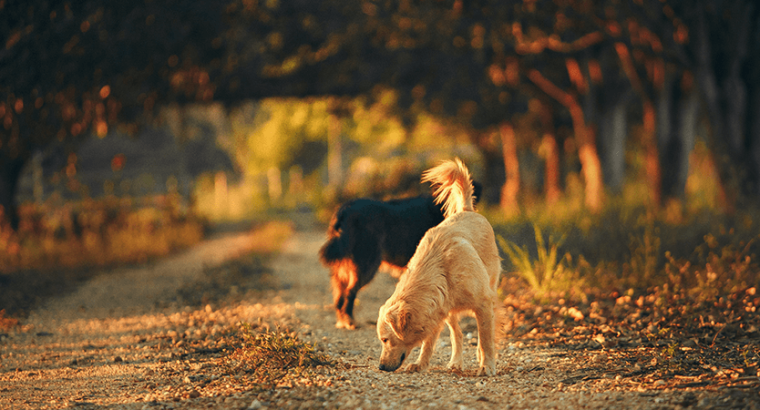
[{"x": 390, "y": 368}]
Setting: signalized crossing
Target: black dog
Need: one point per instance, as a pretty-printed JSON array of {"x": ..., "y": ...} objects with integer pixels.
[{"x": 364, "y": 233}]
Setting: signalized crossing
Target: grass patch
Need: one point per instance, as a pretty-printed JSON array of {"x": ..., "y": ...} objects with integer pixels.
[
  {"x": 547, "y": 272},
  {"x": 271, "y": 356},
  {"x": 704, "y": 256}
]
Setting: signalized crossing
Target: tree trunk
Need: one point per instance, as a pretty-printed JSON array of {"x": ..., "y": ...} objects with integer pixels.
[
  {"x": 719, "y": 146},
  {"x": 688, "y": 109},
  {"x": 667, "y": 140},
  {"x": 651, "y": 155},
  {"x": 592, "y": 171},
  {"x": 753, "y": 130},
  {"x": 550, "y": 153},
  {"x": 613, "y": 130},
  {"x": 334, "y": 152},
  {"x": 10, "y": 172},
  {"x": 591, "y": 167},
  {"x": 511, "y": 186},
  {"x": 493, "y": 176},
  {"x": 587, "y": 153}
]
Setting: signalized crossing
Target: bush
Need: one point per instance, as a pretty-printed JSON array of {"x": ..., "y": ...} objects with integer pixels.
[{"x": 97, "y": 233}]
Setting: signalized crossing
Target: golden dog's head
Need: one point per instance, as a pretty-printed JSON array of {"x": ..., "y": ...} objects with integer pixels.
[{"x": 398, "y": 335}]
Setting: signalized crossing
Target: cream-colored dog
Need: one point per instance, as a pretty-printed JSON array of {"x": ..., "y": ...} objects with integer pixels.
[{"x": 455, "y": 269}]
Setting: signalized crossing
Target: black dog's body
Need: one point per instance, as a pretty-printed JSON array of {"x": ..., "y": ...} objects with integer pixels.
[{"x": 363, "y": 234}]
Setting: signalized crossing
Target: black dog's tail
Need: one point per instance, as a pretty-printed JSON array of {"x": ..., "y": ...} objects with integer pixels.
[
  {"x": 336, "y": 248},
  {"x": 453, "y": 186},
  {"x": 332, "y": 252}
]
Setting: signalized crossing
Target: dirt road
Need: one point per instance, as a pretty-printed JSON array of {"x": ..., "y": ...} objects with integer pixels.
[{"x": 127, "y": 339}]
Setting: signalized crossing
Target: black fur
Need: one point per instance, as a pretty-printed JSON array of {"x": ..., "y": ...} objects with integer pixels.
[{"x": 364, "y": 233}]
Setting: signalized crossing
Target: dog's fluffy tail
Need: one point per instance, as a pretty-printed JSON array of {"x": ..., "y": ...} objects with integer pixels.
[
  {"x": 336, "y": 248},
  {"x": 332, "y": 251},
  {"x": 452, "y": 186}
]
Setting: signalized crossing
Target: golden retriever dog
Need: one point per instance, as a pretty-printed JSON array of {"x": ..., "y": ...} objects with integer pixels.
[{"x": 455, "y": 269}]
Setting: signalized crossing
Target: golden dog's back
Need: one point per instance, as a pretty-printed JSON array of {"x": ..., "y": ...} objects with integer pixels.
[{"x": 444, "y": 244}]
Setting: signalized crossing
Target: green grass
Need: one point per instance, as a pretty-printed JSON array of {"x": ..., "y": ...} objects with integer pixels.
[{"x": 545, "y": 273}]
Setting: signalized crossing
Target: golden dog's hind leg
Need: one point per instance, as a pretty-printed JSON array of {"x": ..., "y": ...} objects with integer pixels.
[
  {"x": 457, "y": 341},
  {"x": 486, "y": 341}
]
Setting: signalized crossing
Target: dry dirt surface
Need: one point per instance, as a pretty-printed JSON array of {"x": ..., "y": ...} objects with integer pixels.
[{"x": 159, "y": 337}]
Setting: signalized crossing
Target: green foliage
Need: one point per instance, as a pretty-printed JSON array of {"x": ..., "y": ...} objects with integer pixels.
[
  {"x": 283, "y": 146},
  {"x": 546, "y": 273},
  {"x": 271, "y": 133}
]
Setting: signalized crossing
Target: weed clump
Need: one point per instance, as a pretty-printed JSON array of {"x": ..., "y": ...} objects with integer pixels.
[
  {"x": 272, "y": 356},
  {"x": 547, "y": 273}
]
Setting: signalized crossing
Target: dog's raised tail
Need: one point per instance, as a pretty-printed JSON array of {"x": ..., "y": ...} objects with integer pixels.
[{"x": 452, "y": 186}]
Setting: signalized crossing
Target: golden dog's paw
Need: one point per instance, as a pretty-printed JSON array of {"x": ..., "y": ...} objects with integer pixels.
[
  {"x": 416, "y": 368},
  {"x": 487, "y": 371},
  {"x": 454, "y": 365}
]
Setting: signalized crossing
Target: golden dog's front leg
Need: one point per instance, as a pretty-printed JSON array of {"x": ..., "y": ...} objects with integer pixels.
[
  {"x": 457, "y": 341},
  {"x": 426, "y": 352},
  {"x": 486, "y": 342}
]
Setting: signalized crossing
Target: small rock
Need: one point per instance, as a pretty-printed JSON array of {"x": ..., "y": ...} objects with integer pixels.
[
  {"x": 690, "y": 343},
  {"x": 118, "y": 359}
]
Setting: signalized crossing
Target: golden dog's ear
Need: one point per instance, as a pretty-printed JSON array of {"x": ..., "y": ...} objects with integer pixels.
[{"x": 398, "y": 319}]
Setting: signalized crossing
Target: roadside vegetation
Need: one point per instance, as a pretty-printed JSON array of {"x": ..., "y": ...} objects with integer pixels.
[
  {"x": 674, "y": 305},
  {"x": 97, "y": 232}
]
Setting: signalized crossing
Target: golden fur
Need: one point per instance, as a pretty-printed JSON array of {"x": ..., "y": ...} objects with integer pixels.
[{"x": 455, "y": 269}]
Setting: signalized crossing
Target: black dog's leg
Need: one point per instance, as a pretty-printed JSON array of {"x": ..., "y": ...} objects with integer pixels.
[
  {"x": 368, "y": 260},
  {"x": 343, "y": 276}
]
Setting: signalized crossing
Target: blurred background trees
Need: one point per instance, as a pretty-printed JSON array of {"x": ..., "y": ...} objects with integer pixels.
[{"x": 548, "y": 97}]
